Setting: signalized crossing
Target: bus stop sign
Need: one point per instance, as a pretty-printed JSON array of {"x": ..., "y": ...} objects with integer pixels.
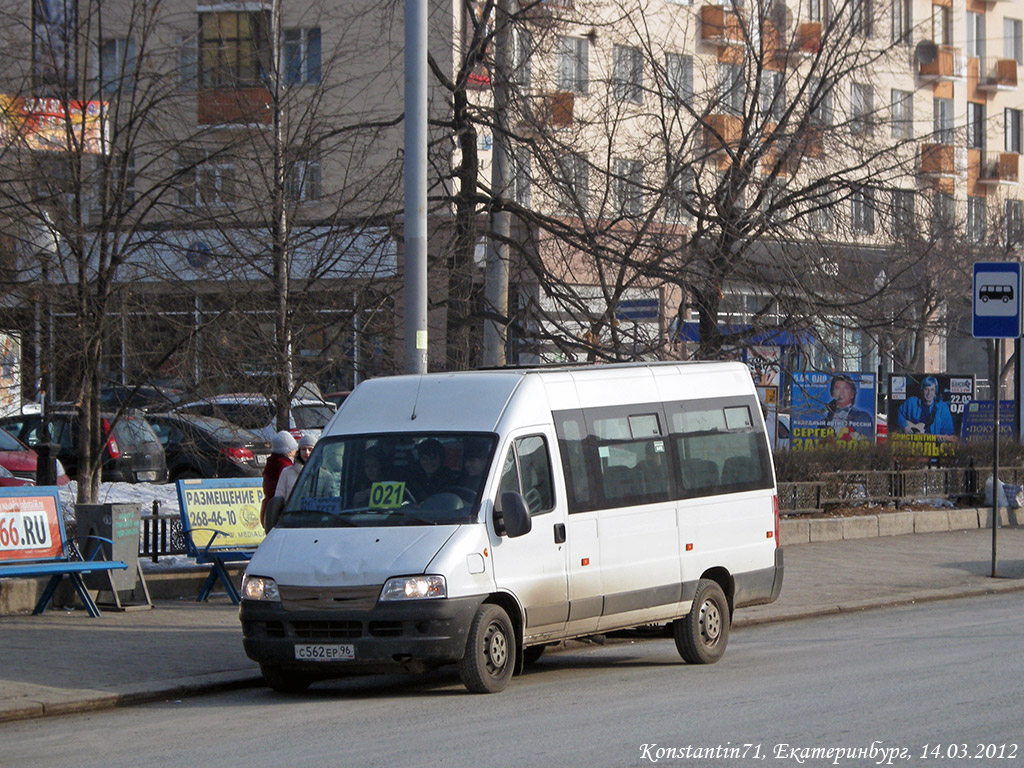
[{"x": 996, "y": 300}]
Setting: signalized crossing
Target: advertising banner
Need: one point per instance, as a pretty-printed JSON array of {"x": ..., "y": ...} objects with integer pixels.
[
  {"x": 30, "y": 524},
  {"x": 832, "y": 408},
  {"x": 54, "y": 125},
  {"x": 978, "y": 421},
  {"x": 231, "y": 506},
  {"x": 926, "y": 410}
]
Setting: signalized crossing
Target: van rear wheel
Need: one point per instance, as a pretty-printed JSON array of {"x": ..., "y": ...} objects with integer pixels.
[
  {"x": 490, "y": 656},
  {"x": 702, "y": 634}
]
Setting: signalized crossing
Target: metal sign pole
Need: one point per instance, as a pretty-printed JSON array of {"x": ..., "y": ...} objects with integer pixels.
[{"x": 996, "y": 368}]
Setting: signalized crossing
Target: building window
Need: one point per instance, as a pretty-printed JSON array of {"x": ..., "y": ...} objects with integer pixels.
[
  {"x": 863, "y": 22},
  {"x": 302, "y": 56},
  {"x": 902, "y": 20},
  {"x": 679, "y": 77},
  {"x": 976, "y": 34},
  {"x": 820, "y": 92},
  {"x": 821, "y": 217},
  {"x": 574, "y": 186},
  {"x": 943, "y": 215},
  {"x": 628, "y": 76},
  {"x": 1013, "y": 45},
  {"x": 188, "y": 61},
  {"x": 302, "y": 177},
  {"x": 731, "y": 88},
  {"x": 975, "y": 125},
  {"x": 773, "y": 96},
  {"x": 572, "y": 65},
  {"x": 234, "y": 49},
  {"x": 679, "y": 203},
  {"x": 1014, "y": 214},
  {"x": 942, "y": 25},
  {"x": 943, "y": 121},
  {"x": 629, "y": 193},
  {"x": 522, "y": 48},
  {"x": 904, "y": 224},
  {"x": 976, "y": 220},
  {"x": 902, "y": 105},
  {"x": 862, "y": 211},
  {"x": 818, "y": 10},
  {"x": 862, "y": 107},
  {"x": 206, "y": 181},
  {"x": 1012, "y": 130},
  {"x": 54, "y": 24},
  {"x": 520, "y": 168},
  {"x": 117, "y": 65}
]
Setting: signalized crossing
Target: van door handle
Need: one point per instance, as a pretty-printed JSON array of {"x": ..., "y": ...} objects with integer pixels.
[{"x": 559, "y": 533}]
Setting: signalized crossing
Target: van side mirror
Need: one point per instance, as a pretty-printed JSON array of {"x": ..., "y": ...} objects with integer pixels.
[
  {"x": 273, "y": 511},
  {"x": 513, "y": 519}
]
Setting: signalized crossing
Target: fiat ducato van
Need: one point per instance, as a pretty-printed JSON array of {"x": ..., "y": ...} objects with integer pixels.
[{"x": 474, "y": 518}]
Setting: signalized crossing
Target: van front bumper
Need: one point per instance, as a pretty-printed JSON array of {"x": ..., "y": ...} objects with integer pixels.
[{"x": 411, "y": 636}]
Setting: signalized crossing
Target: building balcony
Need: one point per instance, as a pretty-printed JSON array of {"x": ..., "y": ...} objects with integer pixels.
[
  {"x": 999, "y": 168},
  {"x": 721, "y": 26},
  {"x": 721, "y": 131},
  {"x": 949, "y": 64},
  {"x": 551, "y": 110},
  {"x": 546, "y": 10},
  {"x": 234, "y": 106},
  {"x": 997, "y": 75},
  {"x": 807, "y": 40},
  {"x": 943, "y": 160}
]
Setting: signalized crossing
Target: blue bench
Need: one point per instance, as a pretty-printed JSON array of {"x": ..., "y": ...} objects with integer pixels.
[
  {"x": 34, "y": 544},
  {"x": 220, "y": 523}
]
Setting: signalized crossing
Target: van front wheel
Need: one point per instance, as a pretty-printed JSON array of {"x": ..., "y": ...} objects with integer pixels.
[
  {"x": 702, "y": 634},
  {"x": 490, "y": 654}
]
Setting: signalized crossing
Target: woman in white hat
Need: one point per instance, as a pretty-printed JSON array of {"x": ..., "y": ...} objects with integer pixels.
[
  {"x": 282, "y": 451},
  {"x": 289, "y": 475}
]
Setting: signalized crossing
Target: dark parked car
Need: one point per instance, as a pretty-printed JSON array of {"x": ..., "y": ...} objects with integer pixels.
[
  {"x": 202, "y": 446},
  {"x": 145, "y": 397},
  {"x": 132, "y": 452}
]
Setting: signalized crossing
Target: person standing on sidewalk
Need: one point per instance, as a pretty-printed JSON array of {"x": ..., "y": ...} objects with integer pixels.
[
  {"x": 282, "y": 451},
  {"x": 290, "y": 475}
]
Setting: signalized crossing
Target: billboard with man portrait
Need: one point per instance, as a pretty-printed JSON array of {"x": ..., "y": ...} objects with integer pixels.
[
  {"x": 832, "y": 409},
  {"x": 926, "y": 410}
]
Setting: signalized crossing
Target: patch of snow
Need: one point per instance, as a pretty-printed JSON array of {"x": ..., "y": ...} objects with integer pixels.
[{"x": 125, "y": 493}]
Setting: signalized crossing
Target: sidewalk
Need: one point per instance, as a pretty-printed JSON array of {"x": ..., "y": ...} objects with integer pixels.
[{"x": 64, "y": 662}]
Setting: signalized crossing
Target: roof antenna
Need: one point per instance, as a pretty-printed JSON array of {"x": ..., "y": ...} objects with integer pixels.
[{"x": 416, "y": 399}]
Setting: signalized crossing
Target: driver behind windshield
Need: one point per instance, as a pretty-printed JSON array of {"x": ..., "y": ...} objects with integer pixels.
[{"x": 432, "y": 475}]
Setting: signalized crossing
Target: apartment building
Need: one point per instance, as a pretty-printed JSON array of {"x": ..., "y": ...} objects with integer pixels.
[{"x": 672, "y": 164}]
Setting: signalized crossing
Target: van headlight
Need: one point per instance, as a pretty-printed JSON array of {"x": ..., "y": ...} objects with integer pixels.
[
  {"x": 259, "y": 588},
  {"x": 414, "y": 588}
]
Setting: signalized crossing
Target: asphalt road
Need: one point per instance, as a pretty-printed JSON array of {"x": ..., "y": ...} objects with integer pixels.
[{"x": 941, "y": 674}]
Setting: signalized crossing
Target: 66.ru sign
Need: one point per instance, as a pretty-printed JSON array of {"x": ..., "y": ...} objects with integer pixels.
[{"x": 24, "y": 530}]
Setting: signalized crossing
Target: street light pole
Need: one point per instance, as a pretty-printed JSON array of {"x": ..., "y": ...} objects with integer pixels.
[{"x": 415, "y": 186}]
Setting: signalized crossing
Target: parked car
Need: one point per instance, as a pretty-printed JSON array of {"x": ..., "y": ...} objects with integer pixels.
[
  {"x": 256, "y": 412},
  {"x": 145, "y": 397},
  {"x": 202, "y": 446},
  {"x": 337, "y": 398},
  {"x": 132, "y": 452},
  {"x": 20, "y": 461},
  {"x": 7, "y": 480}
]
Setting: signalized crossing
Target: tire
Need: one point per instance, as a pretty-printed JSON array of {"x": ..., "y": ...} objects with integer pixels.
[
  {"x": 490, "y": 656},
  {"x": 284, "y": 682},
  {"x": 532, "y": 654},
  {"x": 701, "y": 635}
]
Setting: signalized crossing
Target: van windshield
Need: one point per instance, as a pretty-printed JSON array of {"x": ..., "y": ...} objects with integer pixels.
[{"x": 391, "y": 480}]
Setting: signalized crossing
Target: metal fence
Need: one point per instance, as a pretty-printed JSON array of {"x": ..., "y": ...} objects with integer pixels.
[
  {"x": 161, "y": 534},
  {"x": 890, "y": 488}
]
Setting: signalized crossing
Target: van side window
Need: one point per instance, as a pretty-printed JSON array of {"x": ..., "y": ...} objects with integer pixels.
[
  {"x": 572, "y": 432},
  {"x": 527, "y": 471},
  {"x": 632, "y": 458},
  {"x": 720, "y": 448}
]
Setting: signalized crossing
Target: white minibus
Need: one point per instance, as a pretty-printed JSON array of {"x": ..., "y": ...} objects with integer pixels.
[{"x": 474, "y": 518}]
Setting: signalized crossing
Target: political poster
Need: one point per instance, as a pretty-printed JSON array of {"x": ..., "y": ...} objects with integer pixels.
[
  {"x": 926, "y": 411},
  {"x": 223, "y": 513},
  {"x": 832, "y": 408}
]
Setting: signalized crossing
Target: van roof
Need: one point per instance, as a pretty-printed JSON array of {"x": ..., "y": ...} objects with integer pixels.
[{"x": 476, "y": 401}]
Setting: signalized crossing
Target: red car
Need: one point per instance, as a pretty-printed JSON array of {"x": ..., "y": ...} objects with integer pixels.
[{"x": 20, "y": 461}]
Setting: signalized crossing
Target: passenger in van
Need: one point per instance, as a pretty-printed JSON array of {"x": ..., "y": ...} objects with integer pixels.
[
  {"x": 373, "y": 472},
  {"x": 474, "y": 463},
  {"x": 432, "y": 476}
]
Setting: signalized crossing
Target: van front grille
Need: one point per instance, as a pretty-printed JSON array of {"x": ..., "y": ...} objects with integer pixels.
[{"x": 327, "y": 630}]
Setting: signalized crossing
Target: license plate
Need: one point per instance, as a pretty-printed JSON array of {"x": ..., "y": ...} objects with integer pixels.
[
  {"x": 320, "y": 652},
  {"x": 146, "y": 476},
  {"x": 260, "y": 460}
]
